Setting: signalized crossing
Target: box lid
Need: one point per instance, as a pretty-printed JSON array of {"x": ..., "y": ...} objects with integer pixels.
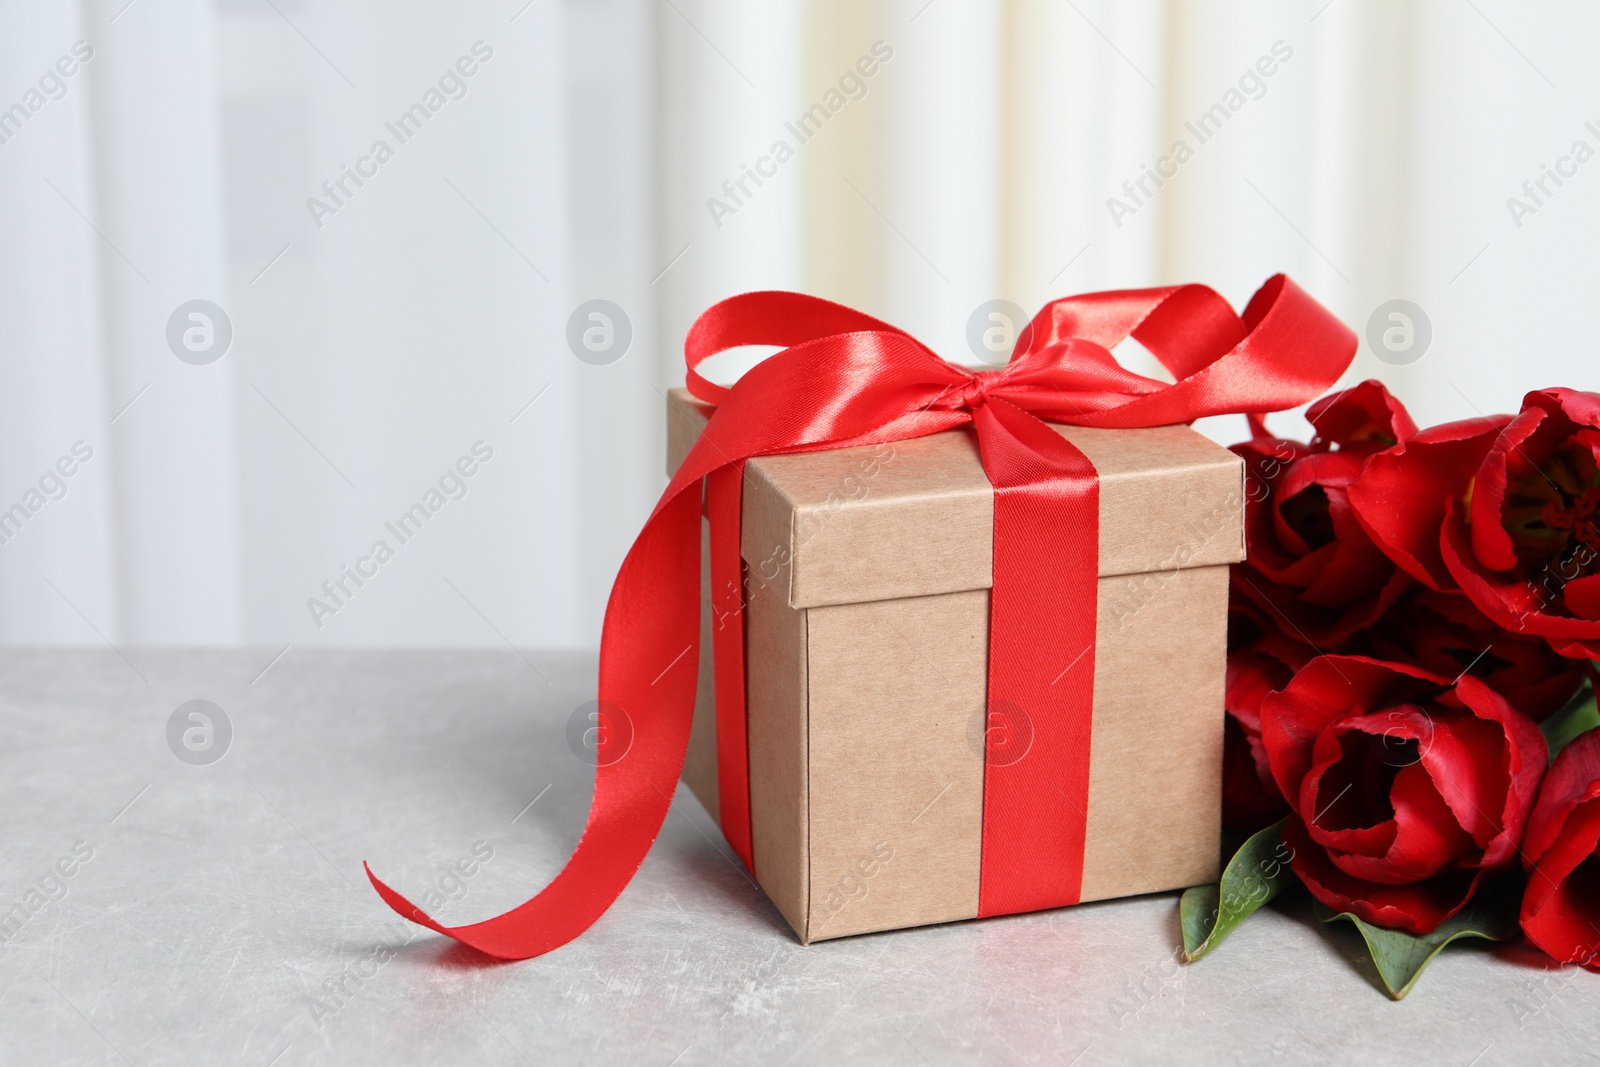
[{"x": 916, "y": 518}]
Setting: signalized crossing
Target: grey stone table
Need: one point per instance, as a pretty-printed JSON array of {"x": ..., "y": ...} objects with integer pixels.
[{"x": 217, "y": 914}]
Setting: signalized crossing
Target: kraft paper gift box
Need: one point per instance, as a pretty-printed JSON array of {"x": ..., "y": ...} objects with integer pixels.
[{"x": 866, "y": 636}]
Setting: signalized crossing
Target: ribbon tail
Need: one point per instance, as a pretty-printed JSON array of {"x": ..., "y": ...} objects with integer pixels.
[
  {"x": 649, "y": 655},
  {"x": 724, "y": 498}
]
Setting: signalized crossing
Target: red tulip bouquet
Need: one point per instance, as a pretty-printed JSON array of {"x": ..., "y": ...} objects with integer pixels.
[{"x": 1411, "y": 727}]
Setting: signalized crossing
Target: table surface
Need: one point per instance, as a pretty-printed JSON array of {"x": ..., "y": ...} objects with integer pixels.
[{"x": 218, "y": 914}]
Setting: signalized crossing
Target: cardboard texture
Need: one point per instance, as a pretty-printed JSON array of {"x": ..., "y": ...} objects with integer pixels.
[{"x": 866, "y": 629}]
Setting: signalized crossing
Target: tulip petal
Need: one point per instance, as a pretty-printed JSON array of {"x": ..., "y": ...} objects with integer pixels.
[
  {"x": 1581, "y": 407},
  {"x": 1363, "y": 418},
  {"x": 1400, "y": 496},
  {"x": 1346, "y": 794},
  {"x": 1466, "y": 759},
  {"x": 1573, "y": 779},
  {"x": 1582, "y": 597},
  {"x": 1526, "y": 757},
  {"x": 1561, "y": 906},
  {"x": 1491, "y": 545},
  {"x": 1428, "y": 837},
  {"x": 1418, "y": 907}
]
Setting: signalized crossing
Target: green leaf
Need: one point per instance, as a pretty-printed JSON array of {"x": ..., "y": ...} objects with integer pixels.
[
  {"x": 1401, "y": 957},
  {"x": 1578, "y": 716},
  {"x": 1257, "y": 873},
  {"x": 1197, "y": 912}
]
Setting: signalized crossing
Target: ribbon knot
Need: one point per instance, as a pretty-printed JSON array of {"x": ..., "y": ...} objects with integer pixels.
[
  {"x": 845, "y": 379},
  {"x": 974, "y": 393}
]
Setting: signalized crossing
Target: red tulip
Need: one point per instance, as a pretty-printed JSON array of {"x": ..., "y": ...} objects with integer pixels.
[
  {"x": 1503, "y": 509},
  {"x": 1310, "y": 565},
  {"x": 1561, "y": 906},
  {"x": 1406, "y": 788}
]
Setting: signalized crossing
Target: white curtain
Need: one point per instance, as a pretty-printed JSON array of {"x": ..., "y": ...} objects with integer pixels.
[{"x": 941, "y": 154}]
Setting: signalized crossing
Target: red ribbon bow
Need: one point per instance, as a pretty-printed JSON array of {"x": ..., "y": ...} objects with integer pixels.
[{"x": 846, "y": 379}]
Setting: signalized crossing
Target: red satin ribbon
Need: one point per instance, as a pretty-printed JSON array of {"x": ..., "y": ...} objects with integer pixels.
[
  {"x": 724, "y": 508},
  {"x": 846, "y": 379}
]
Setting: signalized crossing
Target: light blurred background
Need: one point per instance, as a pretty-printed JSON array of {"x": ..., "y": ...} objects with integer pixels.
[{"x": 376, "y": 339}]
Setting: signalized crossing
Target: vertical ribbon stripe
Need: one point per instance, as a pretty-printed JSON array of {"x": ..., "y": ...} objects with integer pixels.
[{"x": 1042, "y": 611}]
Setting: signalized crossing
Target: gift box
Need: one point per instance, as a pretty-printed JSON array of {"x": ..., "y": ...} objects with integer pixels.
[
  {"x": 866, "y": 627},
  {"x": 960, "y": 632}
]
